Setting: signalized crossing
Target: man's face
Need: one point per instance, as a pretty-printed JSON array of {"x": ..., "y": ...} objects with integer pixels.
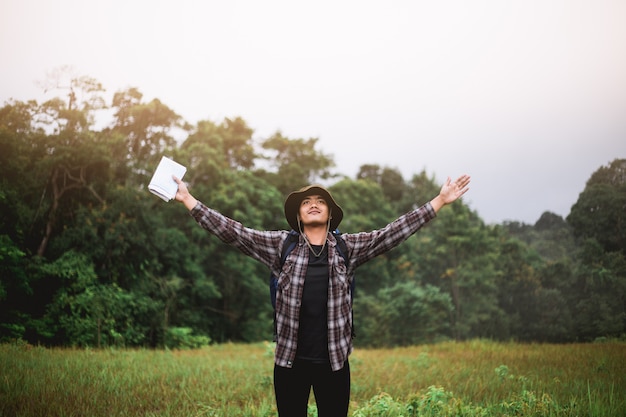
[{"x": 314, "y": 211}]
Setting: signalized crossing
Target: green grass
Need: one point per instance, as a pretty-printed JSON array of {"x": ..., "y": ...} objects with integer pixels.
[{"x": 475, "y": 378}]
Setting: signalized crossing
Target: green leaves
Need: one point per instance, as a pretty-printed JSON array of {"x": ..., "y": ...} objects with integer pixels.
[
  {"x": 296, "y": 162},
  {"x": 600, "y": 211},
  {"x": 89, "y": 257}
]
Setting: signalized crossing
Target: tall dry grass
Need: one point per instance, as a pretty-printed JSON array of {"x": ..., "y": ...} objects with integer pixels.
[
  {"x": 477, "y": 377},
  {"x": 488, "y": 373}
]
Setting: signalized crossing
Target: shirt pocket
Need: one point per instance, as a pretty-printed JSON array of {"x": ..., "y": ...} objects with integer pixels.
[
  {"x": 341, "y": 278},
  {"x": 284, "y": 279}
]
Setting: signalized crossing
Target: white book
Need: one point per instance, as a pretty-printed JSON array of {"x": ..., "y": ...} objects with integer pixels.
[{"x": 162, "y": 184}]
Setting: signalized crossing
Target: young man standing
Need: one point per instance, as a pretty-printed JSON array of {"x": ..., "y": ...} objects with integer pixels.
[{"x": 313, "y": 300}]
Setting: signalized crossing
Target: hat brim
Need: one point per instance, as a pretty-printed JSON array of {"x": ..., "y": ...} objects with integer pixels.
[{"x": 293, "y": 201}]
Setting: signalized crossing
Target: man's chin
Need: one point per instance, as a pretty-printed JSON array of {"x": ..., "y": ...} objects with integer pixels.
[{"x": 315, "y": 223}]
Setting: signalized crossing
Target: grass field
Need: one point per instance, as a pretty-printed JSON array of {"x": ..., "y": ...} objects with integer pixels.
[{"x": 475, "y": 378}]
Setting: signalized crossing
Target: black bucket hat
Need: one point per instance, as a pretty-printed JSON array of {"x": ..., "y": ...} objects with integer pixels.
[{"x": 293, "y": 201}]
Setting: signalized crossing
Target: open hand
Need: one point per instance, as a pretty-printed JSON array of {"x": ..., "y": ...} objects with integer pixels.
[{"x": 452, "y": 190}]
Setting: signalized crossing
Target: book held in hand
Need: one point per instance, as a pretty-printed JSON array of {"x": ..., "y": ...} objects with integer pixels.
[{"x": 162, "y": 184}]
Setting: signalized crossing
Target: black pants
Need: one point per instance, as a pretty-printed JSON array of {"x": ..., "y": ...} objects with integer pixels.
[{"x": 292, "y": 387}]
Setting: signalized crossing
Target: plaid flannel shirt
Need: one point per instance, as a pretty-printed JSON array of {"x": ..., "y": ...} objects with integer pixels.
[{"x": 266, "y": 246}]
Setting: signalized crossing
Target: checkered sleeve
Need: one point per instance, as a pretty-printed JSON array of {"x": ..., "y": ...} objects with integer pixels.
[
  {"x": 263, "y": 246},
  {"x": 367, "y": 245}
]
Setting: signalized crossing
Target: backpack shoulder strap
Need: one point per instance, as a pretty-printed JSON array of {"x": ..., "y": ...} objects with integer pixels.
[
  {"x": 290, "y": 242},
  {"x": 343, "y": 251},
  {"x": 341, "y": 246}
]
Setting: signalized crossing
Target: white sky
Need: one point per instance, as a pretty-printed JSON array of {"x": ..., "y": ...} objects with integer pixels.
[{"x": 527, "y": 96}]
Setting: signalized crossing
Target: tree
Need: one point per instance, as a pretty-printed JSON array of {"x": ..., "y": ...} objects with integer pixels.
[
  {"x": 457, "y": 253},
  {"x": 364, "y": 205},
  {"x": 77, "y": 112},
  {"x": 518, "y": 283},
  {"x": 15, "y": 284},
  {"x": 21, "y": 180},
  {"x": 243, "y": 310},
  {"x": 370, "y": 172},
  {"x": 89, "y": 257},
  {"x": 390, "y": 180},
  {"x": 73, "y": 161},
  {"x": 553, "y": 237},
  {"x": 296, "y": 162},
  {"x": 551, "y": 320},
  {"x": 75, "y": 169},
  {"x": 212, "y": 150},
  {"x": 90, "y": 313},
  {"x": 599, "y": 297},
  {"x": 147, "y": 127},
  {"x": 402, "y": 315},
  {"x": 600, "y": 211}
]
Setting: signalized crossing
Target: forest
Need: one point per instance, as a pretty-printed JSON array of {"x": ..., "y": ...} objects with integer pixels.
[{"x": 90, "y": 258}]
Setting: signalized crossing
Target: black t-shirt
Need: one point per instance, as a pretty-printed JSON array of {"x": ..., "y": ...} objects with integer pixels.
[{"x": 313, "y": 330}]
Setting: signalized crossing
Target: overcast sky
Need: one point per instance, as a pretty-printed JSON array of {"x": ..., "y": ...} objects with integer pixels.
[{"x": 528, "y": 96}]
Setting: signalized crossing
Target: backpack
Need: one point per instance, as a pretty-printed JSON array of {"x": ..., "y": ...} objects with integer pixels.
[{"x": 290, "y": 242}]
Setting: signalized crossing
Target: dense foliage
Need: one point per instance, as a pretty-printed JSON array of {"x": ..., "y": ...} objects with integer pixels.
[{"x": 88, "y": 257}]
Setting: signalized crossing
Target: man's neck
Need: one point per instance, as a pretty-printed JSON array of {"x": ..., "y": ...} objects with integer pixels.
[{"x": 316, "y": 234}]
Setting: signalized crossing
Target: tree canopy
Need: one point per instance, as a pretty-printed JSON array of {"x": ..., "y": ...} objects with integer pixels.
[{"x": 88, "y": 257}]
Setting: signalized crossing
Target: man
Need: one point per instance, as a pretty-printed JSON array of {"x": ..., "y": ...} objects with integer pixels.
[{"x": 313, "y": 300}]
